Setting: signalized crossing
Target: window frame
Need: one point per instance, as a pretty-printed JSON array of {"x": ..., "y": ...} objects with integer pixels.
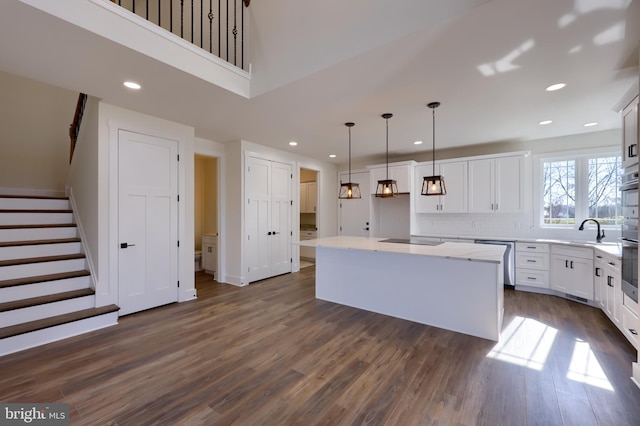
[{"x": 581, "y": 158}]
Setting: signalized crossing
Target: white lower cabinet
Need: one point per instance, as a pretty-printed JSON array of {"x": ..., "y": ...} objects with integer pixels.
[
  {"x": 630, "y": 325},
  {"x": 532, "y": 264},
  {"x": 209, "y": 253},
  {"x": 608, "y": 286},
  {"x": 308, "y": 252},
  {"x": 572, "y": 270}
]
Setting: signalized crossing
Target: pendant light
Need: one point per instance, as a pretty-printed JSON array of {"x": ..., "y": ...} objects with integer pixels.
[
  {"x": 349, "y": 190},
  {"x": 434, "y": 184},
  {"x": 388, "y": 187}
]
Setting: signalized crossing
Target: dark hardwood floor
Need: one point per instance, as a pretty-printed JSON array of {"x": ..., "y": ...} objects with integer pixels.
[{"x": 272, "y": 354}]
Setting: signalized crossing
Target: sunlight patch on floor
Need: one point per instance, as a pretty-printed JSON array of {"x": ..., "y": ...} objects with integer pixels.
[
  {"x": 525, "y": 342},
  {"x": 585, "y": 368}
]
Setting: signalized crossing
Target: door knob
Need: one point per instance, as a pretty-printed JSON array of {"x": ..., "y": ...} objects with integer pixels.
[{"x": 126, "y": 245}]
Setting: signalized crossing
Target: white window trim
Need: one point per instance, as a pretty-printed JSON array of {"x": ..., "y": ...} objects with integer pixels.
[{"x": 538, "y": 201}]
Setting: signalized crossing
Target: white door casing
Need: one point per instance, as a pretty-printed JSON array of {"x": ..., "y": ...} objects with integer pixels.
[{"x": 147, "y": 221}]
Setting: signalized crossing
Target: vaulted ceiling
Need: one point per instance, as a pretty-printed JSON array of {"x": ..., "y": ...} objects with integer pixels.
[{"x": 318, "y": 64}]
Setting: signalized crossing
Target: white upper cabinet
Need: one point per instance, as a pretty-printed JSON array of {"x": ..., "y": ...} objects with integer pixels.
[
  {"x": 630, "y": 136},
  {"x": 400, "y": 172},
  {"x": 496, "y": 185},
  {"x": 455, "y": 178}
]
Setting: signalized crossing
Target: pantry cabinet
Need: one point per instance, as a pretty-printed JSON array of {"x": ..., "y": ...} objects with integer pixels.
[
  {"x": 630, "y": 135},
  {"x": 572, "y": 270},
  {"x": 496, "y": 185},
  {"x": 308, "y": 197},
  {"x": 455, "y": 177}
]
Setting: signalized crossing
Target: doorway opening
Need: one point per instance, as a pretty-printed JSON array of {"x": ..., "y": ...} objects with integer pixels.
[
  {"x": 206, "y": 215},
  {"x": 308, "y": 214}
]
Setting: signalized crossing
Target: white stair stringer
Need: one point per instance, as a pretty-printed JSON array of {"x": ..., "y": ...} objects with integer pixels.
[
  {"x": 40, "y": 337},
  {"x": 32, "y": 313}
]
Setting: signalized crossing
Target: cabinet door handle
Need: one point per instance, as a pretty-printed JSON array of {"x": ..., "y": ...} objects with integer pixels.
[
  {"x": 566, "y": 263},
  {"x": 532, "y": 247},
  {"x": 532, "y": 278},
  {"x": 633, "y": 331},
  {"x": 269, "y": 233},
  {"x": 531, "y": 261},
  {"x": 611, "y": 263},
  {"x": 571, "y": 264},
  {"x": 609, "y": 278},
  {"x": 210, "y": 249},
  {"x": 598, "y": 272},
  {"x": 598, "y": 256},
  {"x": 632, "y": 150}
]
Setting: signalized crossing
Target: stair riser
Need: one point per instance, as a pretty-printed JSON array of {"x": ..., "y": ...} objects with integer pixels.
[
  {"x": 32, "y": 313},
  {"x": 28, "y": 234},
  {"x": 44, "y": 268},
  {"x": 52, "y": 334},
  {"x": 32, "y": 203},
  {"x": 40, "y": 250},
  {"x": 19, "y": 292},
  {"x": 34, "y": 218}
]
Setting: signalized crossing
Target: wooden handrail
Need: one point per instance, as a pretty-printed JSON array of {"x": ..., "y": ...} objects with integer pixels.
[{"x": 74, "y": 129}]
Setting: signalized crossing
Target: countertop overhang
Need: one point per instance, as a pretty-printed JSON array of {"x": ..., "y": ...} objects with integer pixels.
[{"x": 459, "y": 251}]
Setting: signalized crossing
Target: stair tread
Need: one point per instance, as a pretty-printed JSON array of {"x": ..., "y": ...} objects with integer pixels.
[
  {"x": 36, "y": 211},
  {"x": 37, "y": 225},
  {"x": 39, "y": 242},
  {"x": 43, "y": 278},
  {"x": 13, "y": 262},
  {"x": 28, "y": 327},
  {"x": 49, "y": 298},
  {"x": 35, "y": 197}
]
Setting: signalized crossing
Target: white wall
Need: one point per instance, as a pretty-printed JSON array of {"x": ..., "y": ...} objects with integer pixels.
[
  {"x": 495, "y": 225},
  {"x": 111, "y": 119},
  {"x": 327, "y": 215},
  {"x": 35, "y": 119}
]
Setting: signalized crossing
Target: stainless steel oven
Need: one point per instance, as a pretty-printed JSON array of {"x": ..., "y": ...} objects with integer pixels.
[{"x": 630, "y": 233}]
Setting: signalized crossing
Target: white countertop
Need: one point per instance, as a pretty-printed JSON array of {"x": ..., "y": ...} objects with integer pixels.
[
  {"x": 463, "y": 251},
  {"x": 611, "y": 248}
]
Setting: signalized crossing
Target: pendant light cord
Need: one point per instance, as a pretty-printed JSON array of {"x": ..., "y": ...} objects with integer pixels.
[
  {"x": 433, "y": 147},
  {"x": 349, "y": 153},
  {"x": 387, "y": 120}
]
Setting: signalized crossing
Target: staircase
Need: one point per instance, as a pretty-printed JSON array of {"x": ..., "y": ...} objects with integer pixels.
[{"x": 45, "y": 287}]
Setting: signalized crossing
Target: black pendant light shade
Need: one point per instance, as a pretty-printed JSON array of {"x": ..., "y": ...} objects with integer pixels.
[
  {"x": 349, "y": 190},
  {"x": 388, "y": 187},
  {"x": 434, "y": 184}
]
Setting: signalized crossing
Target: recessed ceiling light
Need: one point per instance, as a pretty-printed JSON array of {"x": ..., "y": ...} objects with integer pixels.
[
  {"x": 593, "y": 123},
  {"x": 293, "y": 143},
  {"x": 417, "y": 143},
  {"x": 332, "y": 156},
  {"x": 132, "y": 85},
  {"x": 545, "y": 122},
  {"x": 555, "y": 87}
]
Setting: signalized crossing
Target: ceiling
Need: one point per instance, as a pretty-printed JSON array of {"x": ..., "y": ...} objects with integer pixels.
[{"x": 316, "y": 65}]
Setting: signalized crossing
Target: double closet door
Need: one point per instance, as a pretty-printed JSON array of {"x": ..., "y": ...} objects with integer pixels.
[{"x": 267, "y": 218}]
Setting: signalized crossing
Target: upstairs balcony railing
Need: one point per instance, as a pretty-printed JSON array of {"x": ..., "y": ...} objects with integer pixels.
[{"x": 217, "y": 26}]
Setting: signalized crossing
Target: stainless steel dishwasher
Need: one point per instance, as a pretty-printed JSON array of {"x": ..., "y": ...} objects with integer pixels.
[{"x": 509, "y": 260}]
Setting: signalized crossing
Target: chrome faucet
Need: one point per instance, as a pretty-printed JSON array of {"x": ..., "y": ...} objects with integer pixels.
[{"x": 600, "y": 235}]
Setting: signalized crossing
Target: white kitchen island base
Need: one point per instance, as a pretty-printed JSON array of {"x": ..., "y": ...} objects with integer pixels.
[{"x": 461, "y": 295}]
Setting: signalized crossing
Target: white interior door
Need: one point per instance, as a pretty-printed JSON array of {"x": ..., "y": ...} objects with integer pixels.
[
  {"x": 354, "y": 214},
  {"x": 147, "y": 222},
  {"x": 257, "y": 218},
  {"x": 280, "y": 218}
]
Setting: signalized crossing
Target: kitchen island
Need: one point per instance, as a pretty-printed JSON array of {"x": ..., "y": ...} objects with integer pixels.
[{"x": 455, "y": 286}]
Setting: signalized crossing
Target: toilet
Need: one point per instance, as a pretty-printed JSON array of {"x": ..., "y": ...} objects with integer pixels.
[{"x": 197, "y": 259}]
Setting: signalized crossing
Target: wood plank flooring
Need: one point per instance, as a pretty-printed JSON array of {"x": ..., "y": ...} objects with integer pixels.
[{"x": 271, "y": 354}]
